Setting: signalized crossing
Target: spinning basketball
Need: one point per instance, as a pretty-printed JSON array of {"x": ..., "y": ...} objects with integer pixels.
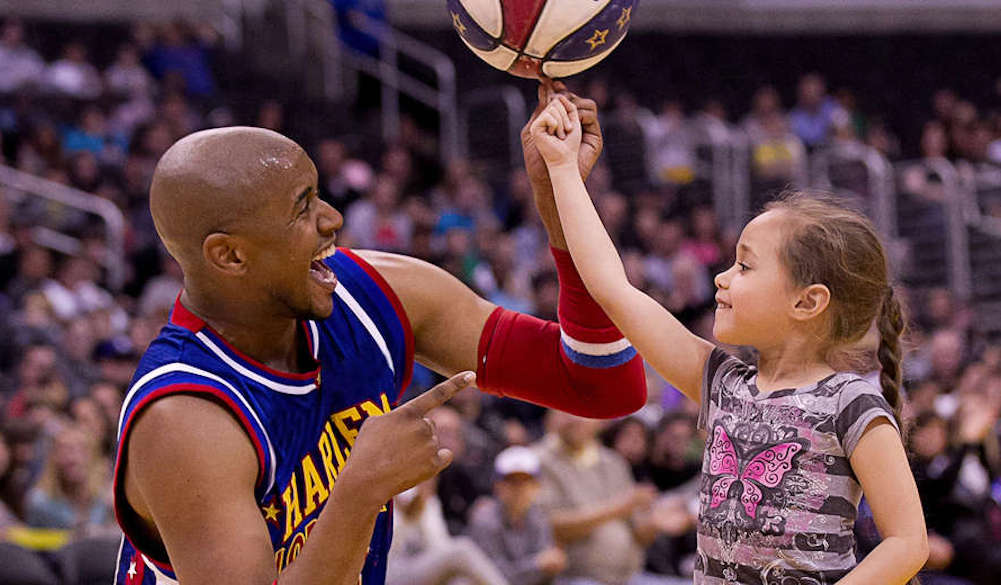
[{"x": 532, "y": 38}]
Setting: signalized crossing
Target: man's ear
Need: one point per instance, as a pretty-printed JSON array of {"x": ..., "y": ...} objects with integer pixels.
[
  {"x": 811, "y": 302},
  {"x": 225, "y": 253}
]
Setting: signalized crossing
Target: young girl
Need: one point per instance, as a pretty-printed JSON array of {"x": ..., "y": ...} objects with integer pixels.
[{"x": 794, "y": 442}]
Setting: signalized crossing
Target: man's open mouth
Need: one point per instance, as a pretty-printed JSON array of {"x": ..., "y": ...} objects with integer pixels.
[{"x": 322, "y": 273}]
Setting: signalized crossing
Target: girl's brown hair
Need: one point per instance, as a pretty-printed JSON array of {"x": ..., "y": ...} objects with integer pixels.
[{"x": 826, "y": 243}]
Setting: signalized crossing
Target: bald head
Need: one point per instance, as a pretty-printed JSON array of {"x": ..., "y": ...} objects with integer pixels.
[{"x": 220, "y": 180}]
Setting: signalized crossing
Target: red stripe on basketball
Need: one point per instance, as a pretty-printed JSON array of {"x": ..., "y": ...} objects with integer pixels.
[{"x": 519, "y": 20}]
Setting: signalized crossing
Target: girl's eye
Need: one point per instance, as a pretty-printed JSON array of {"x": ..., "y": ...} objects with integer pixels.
[{"x": 743, "y": 266}]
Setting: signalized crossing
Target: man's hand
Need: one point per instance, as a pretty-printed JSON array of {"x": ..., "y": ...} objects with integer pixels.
[
  {"x": 557, "y": 133},
  {"x": 399, "y": 450},
  {"x": 587, "y": 155},
  {"x": 551, "y": 561},
  {"x": 591, "y": 141}
]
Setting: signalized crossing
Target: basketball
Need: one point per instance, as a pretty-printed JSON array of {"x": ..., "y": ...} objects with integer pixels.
[{"x": 535, "y": 38}]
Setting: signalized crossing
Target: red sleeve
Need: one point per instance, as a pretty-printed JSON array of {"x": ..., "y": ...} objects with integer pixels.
[{"x": 583, "y": 365}]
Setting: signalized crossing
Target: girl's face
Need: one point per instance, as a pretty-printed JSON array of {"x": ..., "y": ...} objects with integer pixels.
[{"x": 753, "y": 296}]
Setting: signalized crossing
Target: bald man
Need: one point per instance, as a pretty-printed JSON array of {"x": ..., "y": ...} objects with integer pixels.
[{"x": 242, "y": 454}]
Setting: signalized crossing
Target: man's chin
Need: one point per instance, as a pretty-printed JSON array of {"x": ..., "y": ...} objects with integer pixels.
[{"x": 318, "y": 311}]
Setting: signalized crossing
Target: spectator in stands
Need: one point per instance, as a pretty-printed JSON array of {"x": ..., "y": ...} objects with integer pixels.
[
  {"x": 342, "y": 179},
  {"x": 20, "y": 66},
  {"x": 39, "y": 382},
  {"x": 74, "y": 490},
  {"x": 461, "y": 483},
  {"x": 73, "y": 75},
  {"x": 180, "y": 56},
  {"x": 77, "y": 346},
  {"x": 271, "y": 115},
  {"x": 75, "y": 291},
  {"x": 670, "y": 145},
  {"x": 161, "y": 291},
  {"x": 8, "y": 518},
  {"x": 813, "y": 118},
  {"x": 704, "y": 241},
  {"x": 424, "y": 553},
  {"x": 598, "y": 512},
  {"x": 511, "y": 529},
  {"x": 675, "y": 454},
  {"x": 631, "y": 439},
  {"x": 355, "y": 21},
  {"x": 42, "y": 151},
  {"x": 710, "y": 125},
  {"x": 376, "y": 221},
  {"x": 626, "y": 146},
  {"x": 126, "y": 77}
]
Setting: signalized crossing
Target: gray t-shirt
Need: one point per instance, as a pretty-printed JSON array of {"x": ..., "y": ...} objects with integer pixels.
[
  {"x": 610, "y": 553},
  {"x": 778, "y": 497}
]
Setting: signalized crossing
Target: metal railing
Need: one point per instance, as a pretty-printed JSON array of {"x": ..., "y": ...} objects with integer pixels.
[
  {"x": 879, "y": 177},
  {"x": 25, "y": 185},
  {"x": 385, "y": 68},
  {"x": 313, "y": 21}
]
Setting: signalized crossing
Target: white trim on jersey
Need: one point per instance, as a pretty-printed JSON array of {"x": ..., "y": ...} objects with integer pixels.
[
  {"x": 594, "y": 348},
  {"x": 276, "y": 386},
  {"x": 118, "y": 563},
  {"x": 161, "y": 578},
  {"x": 316, "y": 340},
  {"x": 179, "y": 367},
  {"x": 367, "y": 322}
]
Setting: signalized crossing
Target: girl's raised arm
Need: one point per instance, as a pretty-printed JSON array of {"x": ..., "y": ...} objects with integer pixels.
[{"x": 675, "y": 352}]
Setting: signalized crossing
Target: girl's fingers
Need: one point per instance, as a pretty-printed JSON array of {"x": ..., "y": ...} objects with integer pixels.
[
  {"x": 561, "y": 105},
  {"x": 571, "y": 113},
  {"x": 555, "y": 110}
]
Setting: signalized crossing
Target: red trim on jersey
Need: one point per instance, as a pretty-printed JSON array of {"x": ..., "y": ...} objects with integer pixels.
[
  {"x": 299, "y": 377},
  {"x": 137, "y": 560},
  {"x": 180, "y": 388},
  {"x": 309, "y": 336},
  {"x": 182, "y": 317},
  {"x": 159, "y": 565},
  {"x": 408, "y": 333}
]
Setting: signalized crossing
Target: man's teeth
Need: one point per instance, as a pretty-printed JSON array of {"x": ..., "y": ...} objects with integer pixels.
[{"x": 326, "y": 252}]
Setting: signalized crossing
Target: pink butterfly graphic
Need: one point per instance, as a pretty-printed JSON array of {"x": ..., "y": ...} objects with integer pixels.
[{"x": 766, "y": 468}]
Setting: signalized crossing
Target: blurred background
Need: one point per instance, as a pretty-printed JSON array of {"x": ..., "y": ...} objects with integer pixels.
[{"x": 709, "y": 108}]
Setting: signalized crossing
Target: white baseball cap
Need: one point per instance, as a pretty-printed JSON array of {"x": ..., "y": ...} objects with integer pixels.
[{"x": 516, "y": 459}]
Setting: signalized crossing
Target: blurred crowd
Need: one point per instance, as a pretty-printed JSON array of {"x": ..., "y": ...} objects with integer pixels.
[{"x": 533, "y": 497}]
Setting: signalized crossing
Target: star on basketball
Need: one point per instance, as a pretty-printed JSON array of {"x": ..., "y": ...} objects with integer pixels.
[
  {"x": 624, "y": 17},
  {"x": 598, "y": 38},
  {"x": 457, "y": 23}
]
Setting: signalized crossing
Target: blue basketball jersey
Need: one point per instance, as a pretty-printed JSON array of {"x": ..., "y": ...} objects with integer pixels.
[{"x": 302, "y": 426}]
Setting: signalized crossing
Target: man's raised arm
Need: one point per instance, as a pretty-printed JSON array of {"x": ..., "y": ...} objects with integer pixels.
[{"x": 582, "y": 364}]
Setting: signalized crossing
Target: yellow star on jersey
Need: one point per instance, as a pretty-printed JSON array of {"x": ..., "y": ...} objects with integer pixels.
[
  {"x": 457, "y": 23},
  {"x": 624, "y": 17},
  {"x": 271, "y": 512},
  {"x": 598, "y": 38}
]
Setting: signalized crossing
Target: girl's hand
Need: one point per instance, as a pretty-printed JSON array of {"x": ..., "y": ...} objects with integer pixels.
[{"x": 557, "y": 133}]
